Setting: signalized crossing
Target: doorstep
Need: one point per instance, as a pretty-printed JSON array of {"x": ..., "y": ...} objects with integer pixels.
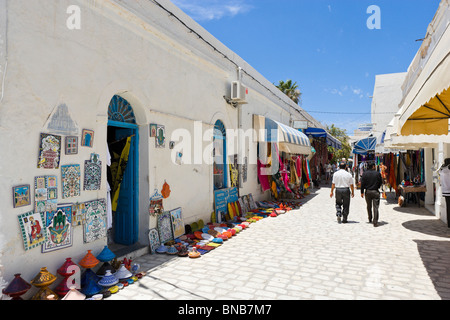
[{"x": 130, "y": 252}]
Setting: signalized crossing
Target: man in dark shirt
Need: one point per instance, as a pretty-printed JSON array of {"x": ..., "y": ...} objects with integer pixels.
[{"x": 371, "y": 182}]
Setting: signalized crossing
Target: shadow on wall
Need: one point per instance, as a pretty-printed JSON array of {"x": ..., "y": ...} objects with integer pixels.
[{"x": 436, "y": 259}]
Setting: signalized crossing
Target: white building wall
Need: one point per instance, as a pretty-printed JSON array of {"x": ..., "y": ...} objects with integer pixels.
[{"x": 169, "y": 76}]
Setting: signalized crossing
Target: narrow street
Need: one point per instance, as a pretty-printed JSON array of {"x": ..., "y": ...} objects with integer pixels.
[{"x": 306, "y": 255}]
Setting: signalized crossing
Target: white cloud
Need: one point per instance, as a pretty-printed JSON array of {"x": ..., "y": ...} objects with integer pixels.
[{"x": 207, "y": 10}]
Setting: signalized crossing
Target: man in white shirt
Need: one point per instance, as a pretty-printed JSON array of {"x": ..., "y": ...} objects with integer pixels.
[{"x": 343, "y": 183}]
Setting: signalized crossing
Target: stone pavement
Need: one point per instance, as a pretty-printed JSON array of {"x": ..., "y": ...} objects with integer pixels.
[{"x": 306, "y": 255}]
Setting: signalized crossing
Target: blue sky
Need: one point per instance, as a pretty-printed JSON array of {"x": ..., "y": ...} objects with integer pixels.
[{"x": 323, "y": 45}]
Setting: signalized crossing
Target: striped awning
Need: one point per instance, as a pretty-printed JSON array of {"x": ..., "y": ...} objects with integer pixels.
[{"x": 289, "y": 139}]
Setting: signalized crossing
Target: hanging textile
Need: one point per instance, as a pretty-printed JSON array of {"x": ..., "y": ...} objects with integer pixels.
[
  {"x": 283, "y": 170},
  {"x": 118, "y": 166},
  {"x": 263, "y": 179}
]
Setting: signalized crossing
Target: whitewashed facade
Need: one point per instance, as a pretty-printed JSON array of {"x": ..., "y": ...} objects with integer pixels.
[{"x": 170, "y": 70}]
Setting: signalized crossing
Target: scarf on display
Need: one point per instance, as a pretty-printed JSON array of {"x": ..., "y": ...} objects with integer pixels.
[{"x": 283, "y": 170}]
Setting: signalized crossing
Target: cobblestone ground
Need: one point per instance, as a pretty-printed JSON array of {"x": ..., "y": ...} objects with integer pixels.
[{"x": 305, "y": 254}]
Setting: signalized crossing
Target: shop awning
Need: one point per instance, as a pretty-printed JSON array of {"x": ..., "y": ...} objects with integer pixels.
[
  {"x": 322, "y": 133},
  {"x": 289, "y": 139},
  {"x": 431, "y": 118},
  {"x": 426, "y": 107},
  {"x": 365, "y": 145}
]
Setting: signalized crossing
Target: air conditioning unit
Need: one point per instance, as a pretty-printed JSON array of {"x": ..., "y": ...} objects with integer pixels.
[{"x": 238, "y": 92}]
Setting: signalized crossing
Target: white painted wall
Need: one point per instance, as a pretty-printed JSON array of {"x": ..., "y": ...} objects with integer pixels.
[{"x": 134, "y": 49}]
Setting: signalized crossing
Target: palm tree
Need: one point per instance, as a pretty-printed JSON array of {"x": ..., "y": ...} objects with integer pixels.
[{"x": 290, "y": 89}]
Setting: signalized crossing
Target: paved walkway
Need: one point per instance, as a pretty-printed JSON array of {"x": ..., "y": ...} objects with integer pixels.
[{"x": 305, "y": 254}]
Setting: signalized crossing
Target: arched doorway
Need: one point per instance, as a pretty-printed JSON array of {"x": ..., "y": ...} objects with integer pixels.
[
  {"x": 220, "y": 156},
  {"x": 123, "y": 178}
]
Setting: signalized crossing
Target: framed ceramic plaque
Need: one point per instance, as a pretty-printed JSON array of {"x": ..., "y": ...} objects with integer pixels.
[
  {"x": 95, "y": 224},
  {"x": 58, "y": 226},
  {"x": 165, "y": 227},
  {"x": 153, "y": 238},
  {"x": 71, "y": 145},
  {"x": 87, "y": 138},
  {"x": 49, "y": 151},
  {"x": 32, "y": 229},
  {"x": 177, "y": 222},
  {"x": 70, "y": 180},
  {"x": 21, "y": 196}
]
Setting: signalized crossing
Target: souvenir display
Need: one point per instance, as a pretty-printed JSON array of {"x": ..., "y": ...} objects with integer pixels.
[
  {"x": 49, "y": 151},
  {"x": 177, "y": 222},
  {"x": 153, "y": 238},
  {"x": 18, "y": 287},
  {"x": 32, "y": 229},
  {"x": 58, "y": 226},
  {"x": 165, "y": 227},
  {"x": 95, "y": 225},
  {"x": 71, "y": 145},
  {"x": 87, "y": 138},
  {"x": 21, "y": 196},
  {"x": 70, "y": 180},
  {"x": 92, "y": 173}
]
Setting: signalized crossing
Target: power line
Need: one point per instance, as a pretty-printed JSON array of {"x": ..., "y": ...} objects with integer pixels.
[{"x": 358, "y": 113}]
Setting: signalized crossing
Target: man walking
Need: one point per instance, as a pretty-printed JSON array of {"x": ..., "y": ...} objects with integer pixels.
[
  {"x": 371, "y": 182},
  {"x": 343, "y": 183}
]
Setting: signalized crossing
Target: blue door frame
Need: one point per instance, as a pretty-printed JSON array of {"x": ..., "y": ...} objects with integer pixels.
[{"x": 126, "y": 217}]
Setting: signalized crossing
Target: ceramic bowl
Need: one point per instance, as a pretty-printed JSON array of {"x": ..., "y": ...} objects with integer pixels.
[{"x": 207, "y": 236}]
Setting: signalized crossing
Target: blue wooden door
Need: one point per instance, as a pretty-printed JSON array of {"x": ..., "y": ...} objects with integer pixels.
[{"x": 126, "y": 217}]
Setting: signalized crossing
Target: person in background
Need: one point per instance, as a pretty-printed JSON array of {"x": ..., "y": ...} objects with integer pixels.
[
  {"x": 371, "y": 182},
  {"x": 343, "y": 183}
]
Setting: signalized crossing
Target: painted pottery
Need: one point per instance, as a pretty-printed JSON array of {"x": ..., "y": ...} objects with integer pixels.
[
  {"x": 217, "y": 240},
  {"x": 161, "y": 249},
  {"x": 123, "y": 273},
  {"x": 172, "y": 250},
  {"x": 17, "y": 287},
  {"x": 74, "y": 294},
  {"x": 183, "y": 252},
  {"x": 207, "y": 236},
  {"x": 68, "y": 268},
  {"x": 43, "y": 278},
  {"x": 105, "y": 267},
  {"x": 194, "y": 253},
  {"x": 44, "y": 293},
  {"x": 89, "y": 283},
  {"x": 198, "y": 235},
  {"x": 108, "y": 280},
  {"x": 135, "y": 268},
  {"x": 106, "y": 255},
  {"x": 113, "y": 289},
  {"x": 89, "y": 261}
]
